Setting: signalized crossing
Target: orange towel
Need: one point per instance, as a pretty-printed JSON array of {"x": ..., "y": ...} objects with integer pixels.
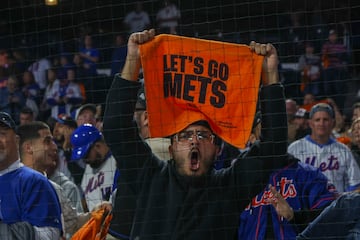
[
  {"x": 96, "y": 228},
  {"x": 188, "y": 79}
]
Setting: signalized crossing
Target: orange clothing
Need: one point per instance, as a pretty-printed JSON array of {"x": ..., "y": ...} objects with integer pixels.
[
  {"x": 188, "y": 79},
  {"x": 96, "y": 228},
  {"x": 308, "y": 107},
  {"x": 82, "y": 91}
]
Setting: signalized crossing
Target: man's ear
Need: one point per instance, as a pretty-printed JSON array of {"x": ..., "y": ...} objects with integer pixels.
[
  {"x": 27, "y": 148},
  {"x": 145, "y": 117}
]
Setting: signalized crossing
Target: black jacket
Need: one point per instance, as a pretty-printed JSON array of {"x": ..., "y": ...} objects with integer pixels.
[{"x": 154, "y": 202}]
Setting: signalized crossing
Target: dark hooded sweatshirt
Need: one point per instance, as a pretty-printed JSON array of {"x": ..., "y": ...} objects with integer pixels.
[{"x": 154, "y": 202}]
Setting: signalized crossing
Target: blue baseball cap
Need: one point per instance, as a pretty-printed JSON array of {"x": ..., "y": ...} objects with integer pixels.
[{"x": 82, "y": 139}]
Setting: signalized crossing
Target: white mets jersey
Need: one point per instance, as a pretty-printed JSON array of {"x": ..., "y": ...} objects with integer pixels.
[
  {"x": 98, "y": 184},
  {"x": 334, "y": 159}
]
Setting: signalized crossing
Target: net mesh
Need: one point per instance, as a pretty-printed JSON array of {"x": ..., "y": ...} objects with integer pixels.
[{"x": 41, "y": 38}]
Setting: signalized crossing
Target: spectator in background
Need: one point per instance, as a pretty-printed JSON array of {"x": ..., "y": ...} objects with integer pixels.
[
  {"x": 302, "y": 123},
  {"x": 346, "y": 38},
  {"x": 318, "y": 28},
  {"x": 321, "y": 150},
  {"x": 168, "y": 17},
  {"x": 255, "y": 132},
  {"x": 63, "y": 128},
  {"x": 7, "y": 68},
  {"x": 39, "y": 68},
  {"x": 3, "y": 68},
  {"x": 30, "y": 208},
  {"x": 66, "y": 61},
  {"x": 355, "y": 139},
  {"x": 89, "y": 113},
  {"x": 46, "y": 109},
  {"x": 81, "y": 77},
  {"x": 159, "y": 146},
  {"x": 86, "y": 114},
  {"x": 137, "y": 20},
  {"x": 26, "y": 116},
  {"x": 118, "y": 55},
  {"x": 355, "y": 111},
  {"x": 70, "y": 190},
  {"x": 294, "y": 34},
  {"x": 227, "y": 154},
  {"x": 12, "y": 99},
  {"x": 20, "y": 60},
  {"x": 80, "y": 70},
  {"x": 90, "y": 56},
  {"x": 65, "y": 96},
  {"x": 308, "y": 101},
  {"x": 72, "y": 78},
  {"x": 31, "y": 92},
  {"x": 39, "y": 152},
  {"x": 334, "y": 59},
  {"x": 310, "y": 69},
  {"x": 345, "y": 140},
  {"x": 100, "y": 175},
  {"x": 291, "y": 108},
  {"x": 340, "y": 128},
  {"x": 304, "y": 188}
]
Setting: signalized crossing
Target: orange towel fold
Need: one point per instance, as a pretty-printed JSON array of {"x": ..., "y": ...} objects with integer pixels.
[
  {"x": 96, "y": 228},
  {"x": 188, "y": 79}
]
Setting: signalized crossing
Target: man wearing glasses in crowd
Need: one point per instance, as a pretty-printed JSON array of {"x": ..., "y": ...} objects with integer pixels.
[{"x": 185, "y": 198}]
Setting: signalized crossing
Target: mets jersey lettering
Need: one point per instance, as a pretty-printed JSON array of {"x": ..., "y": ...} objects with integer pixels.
[
  {"x": 287, "y": 190},
  {"x": 301, "y": 185},
  {"x": 330, "y": 164},
  {"x": 97, "y": 184},
  {"x": 334, "y": 159}
]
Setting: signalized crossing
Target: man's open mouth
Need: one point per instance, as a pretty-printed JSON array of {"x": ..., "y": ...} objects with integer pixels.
[{"x": 194, "y": 161}]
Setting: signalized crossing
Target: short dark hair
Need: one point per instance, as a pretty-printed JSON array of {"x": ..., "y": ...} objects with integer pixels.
[
  {"x": 27, "y": 110},
  {"x": 30, "y": 131},
  {"x": 356, "y": 105}
]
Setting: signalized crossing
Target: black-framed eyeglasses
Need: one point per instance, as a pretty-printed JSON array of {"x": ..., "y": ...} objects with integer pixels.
[{"x": 188, "y": 136}]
